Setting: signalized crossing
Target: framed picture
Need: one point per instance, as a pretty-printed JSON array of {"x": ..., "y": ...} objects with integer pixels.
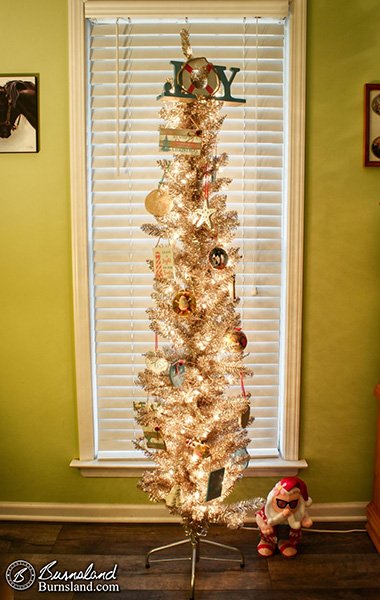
[
  {"x": 372, "y": 125},
  {"x": 19, "y": 113}
]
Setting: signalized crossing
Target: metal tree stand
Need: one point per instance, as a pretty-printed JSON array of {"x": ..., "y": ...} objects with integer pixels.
[{"x": 195, "y": 540}]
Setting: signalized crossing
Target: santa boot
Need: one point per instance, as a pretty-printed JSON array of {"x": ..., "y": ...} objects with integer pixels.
[
  {"x": 267, "y": 545},
  {"x": 288, "y": 548}
]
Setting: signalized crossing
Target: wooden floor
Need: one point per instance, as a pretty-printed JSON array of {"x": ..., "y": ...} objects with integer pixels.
[{"x": 330, "y": 566}]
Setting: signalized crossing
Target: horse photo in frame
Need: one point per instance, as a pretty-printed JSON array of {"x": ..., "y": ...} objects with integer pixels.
[
  {"x": 372, "y": 125},
  {"x": 19, "y": 113}
]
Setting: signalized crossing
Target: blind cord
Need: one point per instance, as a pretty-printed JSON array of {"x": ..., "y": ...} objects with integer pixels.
[
  {"x": 117, "y": 99},
  {"x": 244, "y": 158},
  {"x": 255, "y": 188}
]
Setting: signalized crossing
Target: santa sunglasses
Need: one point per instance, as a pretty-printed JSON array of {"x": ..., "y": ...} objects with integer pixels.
[{"x": 284, "y": 503}]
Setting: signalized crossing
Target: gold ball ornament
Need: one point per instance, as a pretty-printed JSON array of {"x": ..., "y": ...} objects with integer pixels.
[
  {"x": 158, "y": 203},
  {"x": 237, "y": 340},
  {"x": 184, "y": 303}
]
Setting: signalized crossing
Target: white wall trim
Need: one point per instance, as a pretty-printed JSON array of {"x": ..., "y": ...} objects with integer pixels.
[
  {"x": 226, "y": 8},
  {"x": 258, "y": 467},
  {"x": 289, "y": 426},
  {"x": 293, "y": 265},
  {"x": 147, "y": 513},
  {"x": 78, "y": 190}
]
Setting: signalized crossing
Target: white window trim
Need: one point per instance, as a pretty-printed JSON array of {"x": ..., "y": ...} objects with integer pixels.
[{"x": 289, "y": 463}]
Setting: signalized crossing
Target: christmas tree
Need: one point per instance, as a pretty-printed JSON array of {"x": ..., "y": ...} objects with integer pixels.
[{"x": 194, "y": 430}]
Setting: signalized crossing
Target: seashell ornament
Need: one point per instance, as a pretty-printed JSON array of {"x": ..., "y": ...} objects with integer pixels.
[{"x": 158, "y": 203}]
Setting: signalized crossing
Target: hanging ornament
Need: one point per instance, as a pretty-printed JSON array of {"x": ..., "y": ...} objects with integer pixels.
[
  {"x": 184, "y": 303},
  {"x": 214, "y": 168},
  {"x": 174, "y": 497},
  {"x": 140, "y": 405},
  {"x": 200, "y": 449},
  {"x": 180, "y": 141},
  {"x": 158, "y": 203},
  {"x": 156, "y": 361},
  {"x": 143, "y": 406},
  {"x": 198, "y": 77},
  {"x": 244, "y": 417},
  {"x": 218, "y": 258},
  {"x": 237, "y": 340},
  {"x": 163, "y": 262},
  {"x": 241, "y": 455},
  {"x": 203, "y": 215},
  {"x": 215, "y": 484},
  {"x": 186, "y": 46},
  {"x": 154, "y": 438},
  {"x": 232, "y": 287},
  {"x": 177, "y": 373}
]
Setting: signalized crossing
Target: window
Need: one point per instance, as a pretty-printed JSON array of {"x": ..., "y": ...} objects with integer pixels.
[{"x": 125, "y": 50}]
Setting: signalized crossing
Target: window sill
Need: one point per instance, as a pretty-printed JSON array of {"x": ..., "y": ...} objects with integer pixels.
[{"x": 259, "y": 467}]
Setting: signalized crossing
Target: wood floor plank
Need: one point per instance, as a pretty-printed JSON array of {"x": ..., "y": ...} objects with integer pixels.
[
  {"x": 29, "y": 537},
  {"x": 5, "y": 545},
  {"x": 314, "y": 542},
  {"x": 321, "y": 571},
  {"x": 98, "y": 538},
  {"x": 32, "y": 594}
]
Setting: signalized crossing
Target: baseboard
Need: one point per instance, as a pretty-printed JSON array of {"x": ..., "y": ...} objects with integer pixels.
[
  {"x": 373, "y": 524},
  {"x": 147, "y": 513},
  {"x": 100, "y": 513},
  {"x": 339, "y": 511}
]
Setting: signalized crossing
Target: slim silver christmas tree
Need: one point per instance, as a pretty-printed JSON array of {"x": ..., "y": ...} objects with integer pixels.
[{"x": 193, "y": 430}]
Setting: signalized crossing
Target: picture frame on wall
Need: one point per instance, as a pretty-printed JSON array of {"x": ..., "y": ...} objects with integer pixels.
[
  {"x": 372, "y": 125},
  {"x": 19, "y": 120}
]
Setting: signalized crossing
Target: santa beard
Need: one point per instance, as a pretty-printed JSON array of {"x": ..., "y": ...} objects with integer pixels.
[{"x": 276, "y": 518}]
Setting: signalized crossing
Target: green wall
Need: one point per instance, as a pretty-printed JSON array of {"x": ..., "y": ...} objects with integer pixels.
[{"x": 341, "y": 337}]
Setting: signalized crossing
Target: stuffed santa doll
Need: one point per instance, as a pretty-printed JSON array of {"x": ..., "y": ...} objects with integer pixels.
[{"x": 286, "y": 504}]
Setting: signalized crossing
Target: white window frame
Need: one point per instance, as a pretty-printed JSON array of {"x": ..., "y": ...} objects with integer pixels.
[{"x": 289, "y": 462}]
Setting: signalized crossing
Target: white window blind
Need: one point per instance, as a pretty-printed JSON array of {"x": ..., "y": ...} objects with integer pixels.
[{"x": 128, "y": 63}]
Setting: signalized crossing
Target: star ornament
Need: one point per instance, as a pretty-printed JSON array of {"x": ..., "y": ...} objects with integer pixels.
[{"x": 203, "y": 215}]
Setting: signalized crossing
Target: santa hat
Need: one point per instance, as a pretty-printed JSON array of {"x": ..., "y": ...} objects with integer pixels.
[{"x": 289, "y": 483}]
